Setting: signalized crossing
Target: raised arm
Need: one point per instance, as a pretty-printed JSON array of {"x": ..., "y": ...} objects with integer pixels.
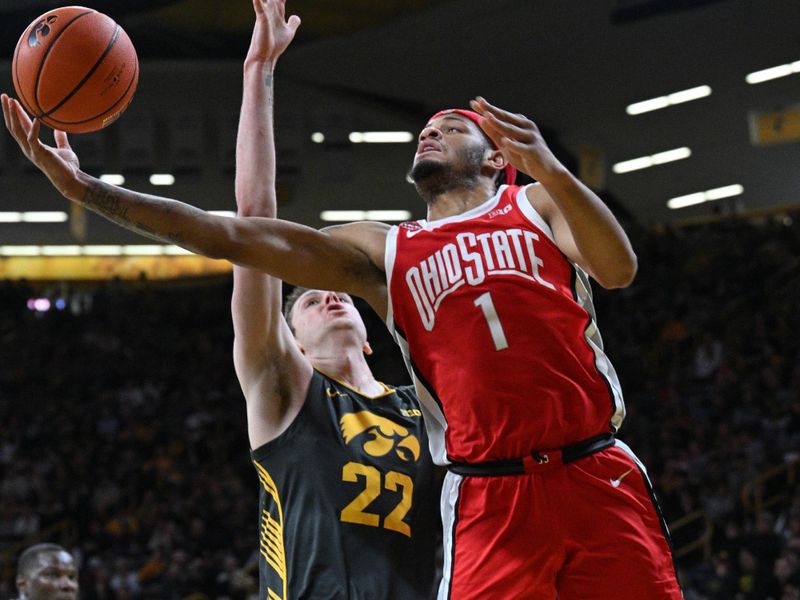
[
  {"x": 272, "y": 372},
  {"x": 584, "y": 228},
  {"x": 351, "y": 261}
]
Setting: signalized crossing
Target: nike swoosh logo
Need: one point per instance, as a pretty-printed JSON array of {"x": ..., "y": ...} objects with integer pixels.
[
  {"x": 414, "y": 232},
  {"x": 616, "y": 482},
  {"x": 333, "y": 393}
]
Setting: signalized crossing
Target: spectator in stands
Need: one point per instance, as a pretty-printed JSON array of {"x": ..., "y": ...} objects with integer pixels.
[{"x": 47, "y": 572}]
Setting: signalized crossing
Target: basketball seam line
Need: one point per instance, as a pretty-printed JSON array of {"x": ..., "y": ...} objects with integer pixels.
[
  {"x": 88, "y": 75},
  {"x": 41, "y": 112},
  {"x": 110, "y": 108}
]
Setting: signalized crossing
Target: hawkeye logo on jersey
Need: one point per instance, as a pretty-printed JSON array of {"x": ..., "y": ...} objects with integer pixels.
[
  {"x": 471, "y": 259},
  {"x": 379, "y": 435}
]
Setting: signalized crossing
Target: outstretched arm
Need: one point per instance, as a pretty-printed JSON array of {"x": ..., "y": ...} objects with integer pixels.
[
  {"x": 272, "y": 371},
  {"x": 349, "y": 259},
  {"x": 584, "y": 228}
]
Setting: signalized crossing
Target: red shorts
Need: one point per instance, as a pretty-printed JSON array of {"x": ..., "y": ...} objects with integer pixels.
[{"x": 587, "y": 530}]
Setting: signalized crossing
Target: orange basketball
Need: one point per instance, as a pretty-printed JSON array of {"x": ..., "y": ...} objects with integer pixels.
[{"x": 75, "y": 69}]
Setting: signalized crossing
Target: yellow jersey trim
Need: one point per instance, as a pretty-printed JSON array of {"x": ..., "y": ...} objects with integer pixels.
[{"x": 271, "y": 537}]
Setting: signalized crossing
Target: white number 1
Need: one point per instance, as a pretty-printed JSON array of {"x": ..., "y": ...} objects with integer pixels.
[{"x": 484, "y": 301}]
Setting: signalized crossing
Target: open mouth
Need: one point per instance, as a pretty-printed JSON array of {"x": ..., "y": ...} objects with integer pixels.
[{"x": 426, "y": 147}]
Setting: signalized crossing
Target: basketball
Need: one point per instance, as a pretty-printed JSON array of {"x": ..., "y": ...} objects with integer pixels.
[{"x": 75, "y": 69}]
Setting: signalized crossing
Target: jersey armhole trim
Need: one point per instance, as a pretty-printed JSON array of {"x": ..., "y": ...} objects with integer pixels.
[
  {"x": 389, "y": 255},
  {"x": 531, "y": 213}
]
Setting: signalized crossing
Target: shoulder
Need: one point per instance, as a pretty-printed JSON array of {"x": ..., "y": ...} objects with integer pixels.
[
  {"x": 542, "y": 202},
  {"x": 537, "y": 195},
  {"x": 369, "y": 231},
  {"x": 368, "y": 237}
]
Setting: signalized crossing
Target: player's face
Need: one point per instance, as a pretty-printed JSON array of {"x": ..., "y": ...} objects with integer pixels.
[
  {"x": 448, "y": 143},
  {"x": 317, "y": 313},
  {"x": 54, "y": 578}
]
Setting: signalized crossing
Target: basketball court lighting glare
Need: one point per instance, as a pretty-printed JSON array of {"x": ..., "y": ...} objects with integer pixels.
[
  {"x": 102, "y": 250},
  {"x": 659, "y": 158},
  {"x": 20, "y": 250},
  {"x": 773, "y": 73},
  {"x": 725, "y": 192},
  {"x": 381, "y": 137},
  {"x": 61, "y": 250},
  {"x": 388, "y": 215},
  {"x": 162, "y": 179},
  {"x": 317, "y": 137},
  {"x": 113, "y": 178},
  {"x": 173, "y": 250},
  {"x": 343, "y": 215},
  {"x": 223, "y": 213},
  {"x": 365, "y": 215},
  {"x": 42, "y": 216},
  {"x": 644, "y": 106},
  {"x": 143, "y": 250},
  {"x": 709, "y": 195},
  {"x": 94, "y": 250}
]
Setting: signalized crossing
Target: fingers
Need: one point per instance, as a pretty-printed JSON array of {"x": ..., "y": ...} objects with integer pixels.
[
  {"x": 486, "y": 109},
  {"x": 512, "y": 146},
  {"x": 294, "y": 23},
  {"x": 497, "y": 128},
  {"x": 4, "y": 101},
  {"x": 498, "y": 123},
  {"x": 16, "y": 122},
  {"x": 7, "y": 116},
  {"x": 33, "y": 135},
  {"x": 62, "y": 142}
]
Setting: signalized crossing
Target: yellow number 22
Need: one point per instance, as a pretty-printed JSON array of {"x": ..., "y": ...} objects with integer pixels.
[{"x": 355, "y": 511}]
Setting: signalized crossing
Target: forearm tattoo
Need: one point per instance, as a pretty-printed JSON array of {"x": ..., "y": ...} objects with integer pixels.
[
  {"x": 112, "y": 203},
  {"x": 268, "y": 79},
  {"x": 106, "y": 201}
]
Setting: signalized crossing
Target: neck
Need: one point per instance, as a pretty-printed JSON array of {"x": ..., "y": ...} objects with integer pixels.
[
  {"x": 458, "y": 200},
  {"x": 347, "y": 364}
]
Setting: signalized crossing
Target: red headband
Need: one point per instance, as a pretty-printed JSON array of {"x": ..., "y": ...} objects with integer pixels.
[{"x": 510, "y": 171}]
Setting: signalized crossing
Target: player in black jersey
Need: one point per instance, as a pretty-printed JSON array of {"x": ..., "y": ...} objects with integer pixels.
[{"x": 348, "y": 504}]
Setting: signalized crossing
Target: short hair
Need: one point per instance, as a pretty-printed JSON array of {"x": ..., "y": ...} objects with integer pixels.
[
  {"x": 289, "y": 303},
  {"x": 30, "y": 557}
]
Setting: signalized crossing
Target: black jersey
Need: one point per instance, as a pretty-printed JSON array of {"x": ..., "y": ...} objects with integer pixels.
[{"x": 348, "y": 505}]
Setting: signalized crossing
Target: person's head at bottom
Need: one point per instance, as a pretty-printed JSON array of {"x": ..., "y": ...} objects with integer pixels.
[{"x": 47, "y": 572}]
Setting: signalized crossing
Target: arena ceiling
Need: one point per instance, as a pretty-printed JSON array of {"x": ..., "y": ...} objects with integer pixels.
[{"x": 571, "y": 65}]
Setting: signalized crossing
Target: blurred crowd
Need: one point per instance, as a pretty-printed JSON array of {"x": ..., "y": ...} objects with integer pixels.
[{"x": 123, "y": 426}]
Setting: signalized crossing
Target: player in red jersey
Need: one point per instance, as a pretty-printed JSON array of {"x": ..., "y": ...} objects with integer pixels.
[{"x": 490, "y": 299}]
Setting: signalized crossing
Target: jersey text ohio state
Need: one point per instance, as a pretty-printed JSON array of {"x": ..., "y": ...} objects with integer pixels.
[
  {"x": 469, "y": 260},
  {"x": 498, "y": 331}
]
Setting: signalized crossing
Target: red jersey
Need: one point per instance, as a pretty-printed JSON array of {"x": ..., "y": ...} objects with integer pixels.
[{"x": 498, "y": 331}]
